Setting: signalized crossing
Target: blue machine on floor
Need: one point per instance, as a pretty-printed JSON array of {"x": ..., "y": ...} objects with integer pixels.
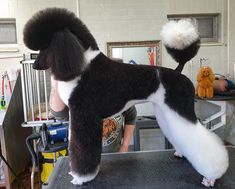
[
  {"x": 53, "y": 142},
  {"x": 53, "y": 134},
  {"x": 57, "y": 133},
  {"x": 52, "y": 137}
]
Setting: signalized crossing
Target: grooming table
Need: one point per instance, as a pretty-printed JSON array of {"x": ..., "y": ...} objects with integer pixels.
[{"x": 142, "y": 170}]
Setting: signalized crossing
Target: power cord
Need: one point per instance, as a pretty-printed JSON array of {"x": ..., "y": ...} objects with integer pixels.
[{"x": 12, "y": 170}]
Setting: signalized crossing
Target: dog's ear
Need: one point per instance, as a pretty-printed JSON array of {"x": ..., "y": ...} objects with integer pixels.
[{"x": 66, "y": 54}]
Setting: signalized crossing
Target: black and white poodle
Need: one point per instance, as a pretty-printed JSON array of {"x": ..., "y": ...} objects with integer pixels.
[{"x": 95, "y": 87}]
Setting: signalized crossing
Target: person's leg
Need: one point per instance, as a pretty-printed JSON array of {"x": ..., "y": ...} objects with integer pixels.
[{"x": 129, "y": 127}]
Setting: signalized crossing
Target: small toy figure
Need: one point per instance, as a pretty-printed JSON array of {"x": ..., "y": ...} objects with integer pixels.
[{"x": 205, "y": 79}]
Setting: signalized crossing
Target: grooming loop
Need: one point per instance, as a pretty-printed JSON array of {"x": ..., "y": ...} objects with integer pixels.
[{"x": 3, "y": 100}]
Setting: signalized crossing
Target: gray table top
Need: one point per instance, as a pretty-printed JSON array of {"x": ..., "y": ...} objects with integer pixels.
[
  {"x": 142, "y": 170},
  {"x": 224, "y": 97}
]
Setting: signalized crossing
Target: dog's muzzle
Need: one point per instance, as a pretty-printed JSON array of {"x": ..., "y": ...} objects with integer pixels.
[{"x": 41, "y": 62}]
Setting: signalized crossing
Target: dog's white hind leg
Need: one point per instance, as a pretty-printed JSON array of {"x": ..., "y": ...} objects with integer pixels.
[
  {"x": 204, "y": 150},
  {"x": 165, "y": 128}
]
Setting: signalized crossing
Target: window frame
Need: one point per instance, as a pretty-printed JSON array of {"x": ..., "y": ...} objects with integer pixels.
[
  {"x": 9, "y": 47},
  {"x": 216, "y": 17}
]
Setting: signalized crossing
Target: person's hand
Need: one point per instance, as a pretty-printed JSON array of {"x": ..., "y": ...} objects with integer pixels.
[
  {"x": 55, "y": 102},
  {"x": 123, "y": 148},
  {"x": 220, "y": 85}
]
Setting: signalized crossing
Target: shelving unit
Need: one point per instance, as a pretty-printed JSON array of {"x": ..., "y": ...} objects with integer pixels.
[
  {"x": 5, "y": 182},
  {"x": 212, "y": 112},
  {"x": 12, "y": 136}
]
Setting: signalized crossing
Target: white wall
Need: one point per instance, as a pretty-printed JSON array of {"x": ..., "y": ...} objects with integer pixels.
[
  {"x": 132, "y": 20},
  {"x": 231, "y": 44},
  {"x": 22, "y": 10}
]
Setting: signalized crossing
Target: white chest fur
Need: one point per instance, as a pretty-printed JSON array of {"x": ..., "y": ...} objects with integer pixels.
[{"x": 66, "y": 88}]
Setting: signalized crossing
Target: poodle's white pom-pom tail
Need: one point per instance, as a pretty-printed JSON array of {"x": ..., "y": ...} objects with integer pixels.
[{"x": 179, "y": 34}]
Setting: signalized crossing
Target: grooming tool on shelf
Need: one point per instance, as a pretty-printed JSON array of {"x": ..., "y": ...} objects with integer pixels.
[{"x": 3, "y": 100}]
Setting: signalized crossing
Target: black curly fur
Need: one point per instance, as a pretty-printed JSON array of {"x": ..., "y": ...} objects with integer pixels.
[
  {"x": 184, "y": 55},
  {"x": 61, "y": 38},
  {"x": 40, "y": 29}
]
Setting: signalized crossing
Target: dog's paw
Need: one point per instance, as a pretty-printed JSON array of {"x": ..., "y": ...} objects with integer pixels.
[
  {"x": 80, "y": 179},
  {"x": 208, "y": 182},
  {"x": 76, "y": 179},
  {"x": 177, "y": 154}
]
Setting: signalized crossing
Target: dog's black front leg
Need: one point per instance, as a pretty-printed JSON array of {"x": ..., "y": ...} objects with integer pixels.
[{"x": 85, "y": 144}]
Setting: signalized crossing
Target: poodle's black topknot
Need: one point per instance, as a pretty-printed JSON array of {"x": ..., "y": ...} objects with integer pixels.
[{"x": 40, "y": 29}]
